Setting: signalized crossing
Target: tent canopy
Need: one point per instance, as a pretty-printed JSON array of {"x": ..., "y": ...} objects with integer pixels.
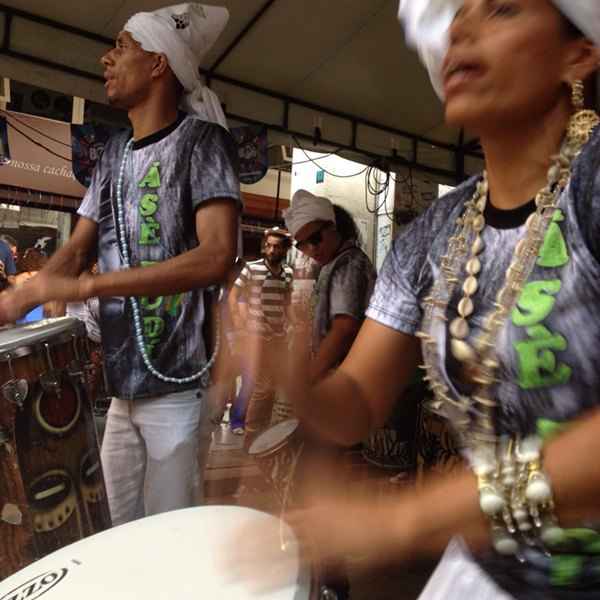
[{"x": 341, "y": 66}]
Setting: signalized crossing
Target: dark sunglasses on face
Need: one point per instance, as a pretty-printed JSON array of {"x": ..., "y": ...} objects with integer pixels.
[{"x": 314, "y": 239}]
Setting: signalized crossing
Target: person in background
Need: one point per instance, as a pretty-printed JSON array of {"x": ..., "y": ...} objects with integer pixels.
[
  {"x": 228, "y": 366},
  {"x": 261, "y": 303},
  {"x": 12, "y": 244},
  {"x": 4, "y": 283},
  {"x": 28, "y": 267},
  {"x": 328, "y": 234},
  {"x": 8, "y": 258}
]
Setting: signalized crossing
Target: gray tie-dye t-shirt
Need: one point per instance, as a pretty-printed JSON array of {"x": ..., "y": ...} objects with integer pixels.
[
  {"x": 344, "y": 287},
  {"x": 549, "y": 349},
  {"x": 168, "y": 176}
]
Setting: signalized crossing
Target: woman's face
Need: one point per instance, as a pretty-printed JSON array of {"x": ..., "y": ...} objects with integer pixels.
[
  {"x": 508, "y": 62},
  {"x": 319, "y": 240}
]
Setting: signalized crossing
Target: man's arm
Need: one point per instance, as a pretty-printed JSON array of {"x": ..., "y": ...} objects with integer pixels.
[
  {"x": 209, "y": 263},
  {"x": 66, "y": 263},
  {"x": 334, "y": 346},
  {"x": 205, "y": 265}
]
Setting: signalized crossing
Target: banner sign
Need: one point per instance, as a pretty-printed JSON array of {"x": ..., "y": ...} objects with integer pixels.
[
  {"x": 253, "y": 153},
  {"x": 88, "y": 144}
]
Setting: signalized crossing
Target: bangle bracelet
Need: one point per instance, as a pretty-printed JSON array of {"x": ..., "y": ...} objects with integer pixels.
[{"x": 516, "y": 495}]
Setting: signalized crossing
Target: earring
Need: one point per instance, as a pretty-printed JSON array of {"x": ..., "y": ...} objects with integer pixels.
[{"x": 582, "y": 121}]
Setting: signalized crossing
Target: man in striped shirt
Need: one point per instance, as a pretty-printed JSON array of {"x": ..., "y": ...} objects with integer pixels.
[{"x": 262, "y": 299}]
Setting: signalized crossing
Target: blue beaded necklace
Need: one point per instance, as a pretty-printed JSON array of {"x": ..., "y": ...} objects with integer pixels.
[{"x": 137, "y": 319}]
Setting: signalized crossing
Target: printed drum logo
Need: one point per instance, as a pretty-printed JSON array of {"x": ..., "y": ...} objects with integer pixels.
[{"x": 36, "y": 587}]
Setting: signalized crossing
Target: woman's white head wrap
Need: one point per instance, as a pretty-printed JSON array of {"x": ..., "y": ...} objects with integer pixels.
[
  {"x": 306, "y": 208},
  {"x": 427, "y": 25},
  {"x": 184, "y": 34}
]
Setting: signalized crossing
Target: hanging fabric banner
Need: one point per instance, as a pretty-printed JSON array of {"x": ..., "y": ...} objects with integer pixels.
[
  {"x": 88, "y": 144},
  {"x": 252, "y": 144},
  {"x": 4, "y": 148}
]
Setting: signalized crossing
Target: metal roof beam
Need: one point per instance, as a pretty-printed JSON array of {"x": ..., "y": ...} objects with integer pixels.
[
  {"x": 266, "y": 6},
  {"x": 328, "y": 111},
  {"x": 15, "y": 12}
]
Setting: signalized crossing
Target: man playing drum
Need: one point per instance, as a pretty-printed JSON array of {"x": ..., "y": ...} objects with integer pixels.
[{"x": 162, "y": 213}]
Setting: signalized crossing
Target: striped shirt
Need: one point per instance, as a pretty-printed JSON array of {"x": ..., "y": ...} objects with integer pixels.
[{"x": 267, "y": 294}]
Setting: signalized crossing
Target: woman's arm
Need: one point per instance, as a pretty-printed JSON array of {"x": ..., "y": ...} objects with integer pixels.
[
  {"x": 334, "y": 346},
  {"x": 361, "y": 393},
  {"x": 420, "y": 522}
]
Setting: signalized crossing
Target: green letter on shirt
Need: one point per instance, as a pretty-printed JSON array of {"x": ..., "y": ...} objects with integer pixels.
[
  {"x": 148, "y": 205},
  {"x": 536, "y": 302},
  {"x": 537, "y": 362},
  {"x": 152, "y": 178},
  {"x": 554, "y": 252}
]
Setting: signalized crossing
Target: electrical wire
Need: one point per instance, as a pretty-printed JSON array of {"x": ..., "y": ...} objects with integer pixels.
[
  {"x": 303, "y": 162},
  {"x": 312, "y": 160},
  {"x": 7, "y": 116},
  {"x": 35, "y": 142}
]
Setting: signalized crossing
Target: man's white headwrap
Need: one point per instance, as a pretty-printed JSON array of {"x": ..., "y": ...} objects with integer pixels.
[
  {"x": 427, "y": 25},
  {"x": 306, "y": 208},
  {"x": 184, "y": 34}
]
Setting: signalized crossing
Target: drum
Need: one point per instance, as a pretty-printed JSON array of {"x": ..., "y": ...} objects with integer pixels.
[
  {"x": 51, "y": 484},
  {"x": 167, "y": 556},
  {"x": 277, "y": 451}
]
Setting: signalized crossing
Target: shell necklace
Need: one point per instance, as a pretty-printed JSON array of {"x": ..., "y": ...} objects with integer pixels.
[{"x": 473, "y": 416}]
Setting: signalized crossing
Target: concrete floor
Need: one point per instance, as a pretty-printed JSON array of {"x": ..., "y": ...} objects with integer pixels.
[{"x": 233, "y": 478}]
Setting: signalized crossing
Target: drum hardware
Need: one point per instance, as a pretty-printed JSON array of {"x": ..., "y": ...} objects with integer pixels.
[
  {"x": 326, "y": 593},
  {"x": 77, "y": 369},
  {"x": 15, "y": 390},
  {"x": 5, "y": 439},
  {"x": 50, "y": 380}
]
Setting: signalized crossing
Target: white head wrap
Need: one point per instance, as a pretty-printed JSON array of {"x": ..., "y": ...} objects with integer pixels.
[
  {"x": 306, "y": 208},
  {"x": 184, "y": 34},
  {"x": 427, "y": 25}
]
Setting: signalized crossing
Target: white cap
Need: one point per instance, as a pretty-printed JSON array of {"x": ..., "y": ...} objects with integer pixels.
[
  {"x": 184, "y": 34},
  {"x": 306, "y": 208}
]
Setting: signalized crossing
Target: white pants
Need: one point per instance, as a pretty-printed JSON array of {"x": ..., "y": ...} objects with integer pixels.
[
  {"x": 457, "y": 577},
  {"x": 154, "y": 453}
]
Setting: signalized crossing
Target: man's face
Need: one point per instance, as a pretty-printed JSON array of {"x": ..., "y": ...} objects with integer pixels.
[
  {"x": 128, "y": 72},
  {"x": 274, "y": 249}
]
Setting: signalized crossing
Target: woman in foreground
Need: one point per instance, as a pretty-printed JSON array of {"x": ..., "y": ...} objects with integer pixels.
[{"x": 498, "y": 284}]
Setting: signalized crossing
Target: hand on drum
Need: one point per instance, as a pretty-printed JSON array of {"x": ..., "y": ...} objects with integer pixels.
[
  {"x": 371, "y": 533},
  {"x": 41, "y": 288}
]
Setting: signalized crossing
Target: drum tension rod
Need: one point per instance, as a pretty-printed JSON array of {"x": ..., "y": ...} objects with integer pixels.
[
  {"x": 50, "y": 380},
  {"x": 15, "y": 390},
  {"x": 76, "y": 368}
]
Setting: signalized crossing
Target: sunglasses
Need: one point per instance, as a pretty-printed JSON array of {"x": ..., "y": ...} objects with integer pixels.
[{"x": 314, "y": 239}]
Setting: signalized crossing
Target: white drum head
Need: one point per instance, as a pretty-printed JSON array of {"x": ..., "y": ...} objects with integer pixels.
[
  {"x": 170, "y": 556},
  {"x": 13, "y": 338},
  {"x": 272, "y": 437}
]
